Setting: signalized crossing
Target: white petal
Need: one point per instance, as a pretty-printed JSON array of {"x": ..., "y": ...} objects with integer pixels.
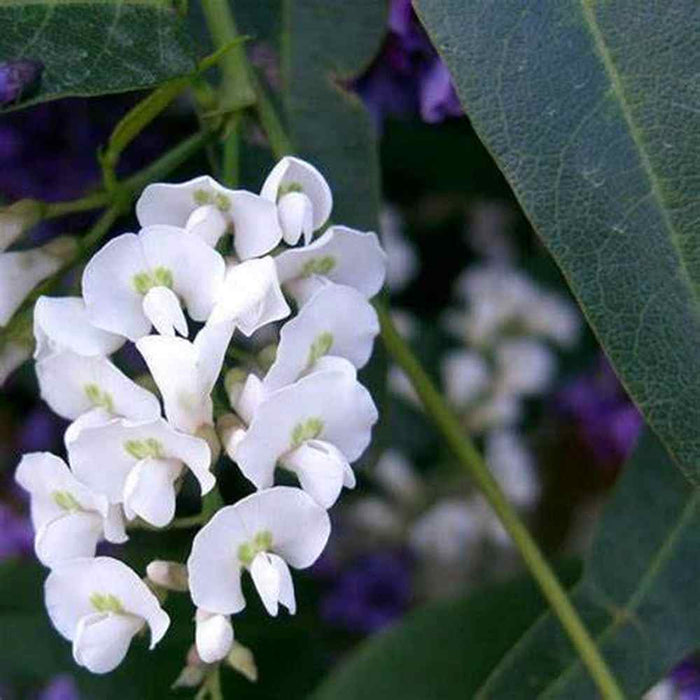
[
  {"x": 513, "y": 466},
  {"x": 525, "y": 366},
  {"x": 52, "y": 487},
  {"x": 20, "y": 272},
  {"x": 62, "y": 324},
  {"x": 71, "y": 585},
  {"x": 267, "y": 582},
  {"x": 296, "y": 215},
  {"x": 342, "y": 255},
  {"x": 111, "y": 299},
  {"x": 211, "y": 344},
  {"x": 114, "y": 525},
  {"x": 332, "y": 401},
  {"x": 162, "y": 308},
  {"x": 197, "y": 269},
  {"x": 250, "y": 398},
  {"x": 149, "y": 490},
  {"x": 465, "y": 375},
  {"x": 71, "y": 385},
  {"x": 102, "y": 640},
  {"x": 104, "y": 456},
  {"x": 91, "y": 419},
  {"x": 72, "y": 534},
  {"x": 207, "y": 222},
  {"x": 256, "y": 229},
  {"x": 337, "y": 320},
  {"x": 286, "y": 594},
  {"x": 251, "y": 296},
  {"x": 174, "y": 364},
  {"x": 213, "y": 636},
  {"x": 320, "y": 468},
  {"x": 302, "y": 176}
]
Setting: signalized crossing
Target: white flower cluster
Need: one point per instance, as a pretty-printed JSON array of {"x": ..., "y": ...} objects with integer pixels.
[{"x": 308, "y": 414}]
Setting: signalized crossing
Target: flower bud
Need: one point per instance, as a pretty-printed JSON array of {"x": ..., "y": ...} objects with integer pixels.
[
  {"x": 63, "y": 248},
  {"x": 213, "y": 636},
  {"x": 241, "y": 659},
  {"x": 16, "y": 219},
  {"x": 234, "y": 381},
  {"x": 208, "y": 434},
  {"x": 168, "y": 574},
  {"x": 231, "y": 431}
]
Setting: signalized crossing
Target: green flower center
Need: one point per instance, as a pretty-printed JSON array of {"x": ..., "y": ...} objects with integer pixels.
[
  {"x": 219, "y": 200},
  {"x": 106, "y": 603},
  {"x": 320, "y": 347},
  {"x": 141, "y": 449},
  {"x": 145, "y": 281},
  {"x": 99, "y": 398},
  {"x": 262, "y": 542},
  {"x": 318, "y": 266},
  {"x": 66, "y": 500},
  {"x": 306, "y": 430}
]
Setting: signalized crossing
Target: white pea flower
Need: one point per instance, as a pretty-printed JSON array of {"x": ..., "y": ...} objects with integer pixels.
[
  {"x": 68, "y": 518},
  {"x": 315, "y": 427},
  {"x": 341, "y": 255},
  {"x": 465, "y": 376},
  {"x": 138, "y": 281},
  {"x": 250, "y": 296},
  {"x": 264, "y": 533},
  {"x": 62, "y": 324},
  {"x": 208, "y": 210},
  {"x": 137, "y": 464},
  {"x": 402, "y": 261},
  {"x": 73, "y": 384},
  {"x": 303, "y": 198},
  {"x": 100, "y": 604},
  {"x": 513, "y": 466},
  {"x": 22, "y": 270},
  {"x": 337, "y": 321},
  {"x": 524, "y": 366},
  {"x": 213, "y": 636},
  {"x": 186, "y": 372}
]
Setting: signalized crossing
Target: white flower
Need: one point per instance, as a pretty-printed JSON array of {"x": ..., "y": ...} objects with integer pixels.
[
  {"x": 513, "y": 466},
  {"x": 337, "y": 321},
  {"x": 398, "y": 477},
  {"x": 63, "y": 324},
  {"x": 263, "y": 533},
  {"x": 497, "y": 410},
  {"x": 402, "y": 261},
  {"x": 554, "y": 318},
  {"x": 138, "y": 281},
  {"x": 100, "y": 604},
  {"x": 68, "y": 518},
  {"x": 315, "y": 428},
  {"x": 250, "y": 296},
  {"x": 465, "y": 376},
  {"x": 137, "y": 464},
  {"x": 73, "y": 384},
  {"x": 376, "y": 518},
  {"x": 23, "y": 270},
  {"x": 208, "y": 210},
  {"x": 170, "y": 575},
  {"x": 304, "y": 200},
  {"x": 186, "y": 372},
  {"x": 524, "y": 366},
  {"x": 342, "y": 255},
  {"x": 213, "y": 636}
]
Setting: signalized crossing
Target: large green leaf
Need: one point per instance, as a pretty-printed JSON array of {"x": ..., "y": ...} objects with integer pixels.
[
  {"x": 91, "y": 47},
  {"x": 324, "y": 44},
  {"x": 592, "y": 111},
  {"x": 638, "y": 596},
  {"x": 444, "y": 650}
]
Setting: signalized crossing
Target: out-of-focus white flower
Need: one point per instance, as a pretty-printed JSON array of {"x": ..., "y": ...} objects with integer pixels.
[
  {"x": 22, "y": 270},
  {"x": 137, "y": 464},
  {"x": 401, "y": 385},
  {"x": 138, "y": 281},
  {"x": 73, "y": 384},
  {"x": 264, "y": 533},
  {"x": 402, "y": 261},
  {"x": 213, "y": 636},
  {"x": 397, "y": 477},
  {"x": 303, "y": 198},
  {"x": 100, "y": 604},
  {"x": 62, "y": 323},
  {"x": 250, "y": 296},
  {"x": 553, "y": 318},
  {"x": 524, "y": 366},
  {"x": 465, "y": 376},
  {"x": 341, "y": 255},
  {"x": 13, "y": 354},
  {"x": 186, "y": 372},
  {"x": 406, "y": 323},
  {"x": 513, "y": 466},
  {"x": 68, "y": 518},
  {"x": 17, "y": 218},
  {"x": 495, "y": 411},
  {"x": 170, "y": 575},
  {"x": 315, "y": 427},
  {"x": 375, "y": 518},
  {"x": 208, "y": 210},
  {"x": 337, "y": 321},
  {"x": 663, "y": 690}
]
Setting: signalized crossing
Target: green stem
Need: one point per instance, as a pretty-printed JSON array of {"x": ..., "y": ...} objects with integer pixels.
[
  {"x": 97, "y": 200},
  {"x": 280, "y": 143},
  {"x": 469, "y": 457},
  {"x": 230, "y": 156}
]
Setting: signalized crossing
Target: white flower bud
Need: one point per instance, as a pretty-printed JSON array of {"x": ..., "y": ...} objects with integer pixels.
[
  {"x": 231, "y": 432},
  {"x": 213, "y": 636},
  {"x": 168, "y": 574}
]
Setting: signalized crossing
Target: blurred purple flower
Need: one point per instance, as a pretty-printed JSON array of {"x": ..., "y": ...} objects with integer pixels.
[
  {"x": 61, "y": 687},
  {"x": 368, "y": 595},
  {"x": 41, "y": 431},
  {"x": 686, "y": 679},
  {"x": 17, "y": 78},
  {"x": 605, "y": 418},
  {"x": 408, "y": 77},
  {"x": 16, "y": 533}
]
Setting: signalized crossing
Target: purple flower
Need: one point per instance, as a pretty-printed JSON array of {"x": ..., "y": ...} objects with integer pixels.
[
  {"x": 686, "y": 679},
  {"x": 606, "y": 420},
  {"x": 17, "y": 78},
  {"x": 61, "y": 687},
  {"x": 16, "y": 534},
  {"x": 372, "y": 592},
  {"x": 41, "y": 431},
  {"x": 408, "y": 77}
]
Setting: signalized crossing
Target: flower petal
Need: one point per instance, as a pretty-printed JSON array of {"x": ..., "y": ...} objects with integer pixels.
[
  {"x": 149, "y": 490},
  {"x": 337, "y": 320},
  {"x": 207, "y": 222},
  {"x": 256, "y": 229},
  {"x": 70, "y": 535},
  {"x": 286, "y": 594},
  {"x": 213, "y": 636},
  {"x": 267, "y": 582},
  {"x": 162, "y": 308},
  {"x": 296, "y": 215}
]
